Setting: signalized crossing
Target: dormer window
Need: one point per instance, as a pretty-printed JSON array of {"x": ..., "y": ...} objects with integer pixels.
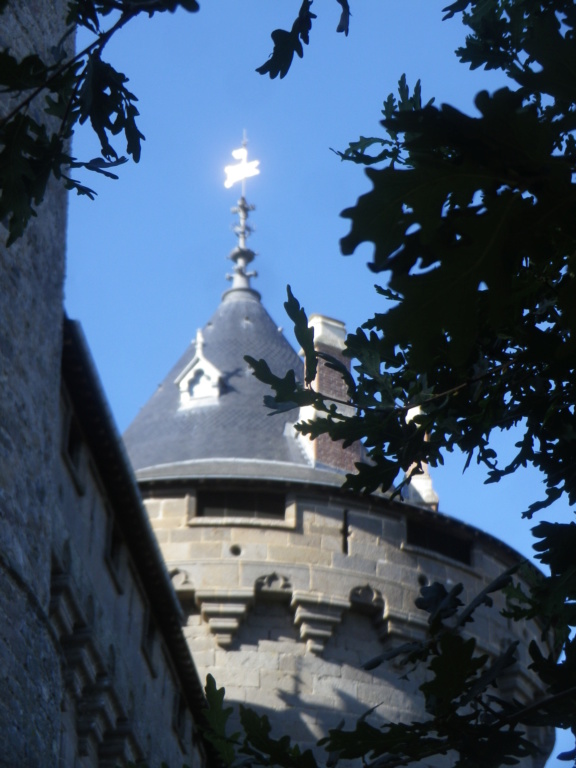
[
  {"x": 199, "y": 382},
  {"x": 202, "y": 385}
]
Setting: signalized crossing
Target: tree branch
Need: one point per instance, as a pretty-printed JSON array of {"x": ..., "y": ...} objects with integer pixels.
[{"x": 100, "y": 43}]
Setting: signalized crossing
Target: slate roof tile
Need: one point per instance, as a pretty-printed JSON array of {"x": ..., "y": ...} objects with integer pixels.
[{"x": 235, "y": 426}]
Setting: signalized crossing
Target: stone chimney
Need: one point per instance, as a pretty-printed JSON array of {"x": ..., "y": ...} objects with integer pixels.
[
  {"x": 329, "y": 337},
  {"x": 420, "y": 490}
]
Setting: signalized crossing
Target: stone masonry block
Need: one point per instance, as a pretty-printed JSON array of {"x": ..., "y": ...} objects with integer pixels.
[
  {"x": 174, "y": 508},
  {"x": 298, "y": 576},
  {"x": 272, "y": 700},
  {"x": 248, "y": 636},
  {"x": 213, "y": 574},
  {"x": 323, "y": 516},
  {"x": 394, "y": 531},
  {"x": 401, "y": 556},
  {"x": 392, "y": 593},
  {"x": 213, "y": 533},
  {"x": 263, "y": 660},
  {"x": 298, "y": 555},
  {"x": 401, "y": 574},
  {"x": 198, "y": 550},
  {"x": 287, "y": 685},
  {"x": 329, "y": 581},
  {"x": 331, "y": 543},
  {"x": 230, "y": 676},
  {"x": 361, "y": 547},
  {"x": 409, "y": 597},
  {"x": 178, "y": 552},
  {"x": 200, "y": 643},
  {"x": 365, "y": 525},
  {"x": 341, "y": 654},
  {"x": 338, "y": 583},
  {"x": 158, "y": 524},
  {"x": 358, "y": 674},
  {"x": 325, "y": 530},
  {"x": 275, "y": 536},
  {"x": 283, "y": 647},
  {"x": 308, "y": 540},
  {"x": 335, "y": 689},
  {"x": 353, "y": 563},
  {"x": 194, "y": 535},
  {"x": 180, "y": 535},
  {"x": 391, "y": 698},
  {"x": 251, "y": 551},
  {"x": 321, "y": 667},
  {"x": 261, "y": 621},
  {"x": 433, "y": 569},
  {"x": 204, "y": 658},
  {"x": 289, "y": 634},
  {"x": 297, "y": 666},
  {"x": 152, "y": 507}
]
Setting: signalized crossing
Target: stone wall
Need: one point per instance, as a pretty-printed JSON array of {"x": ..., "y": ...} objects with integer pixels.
[
  {"x": 31, "y": 279},
  {"x": 284, "y": 612},
  {"x": 123, "y": 698}
]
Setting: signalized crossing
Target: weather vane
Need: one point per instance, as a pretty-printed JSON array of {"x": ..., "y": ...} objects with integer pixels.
[
  {"x": 241, "y": 170},
  {"x": 241, "y": 255}
]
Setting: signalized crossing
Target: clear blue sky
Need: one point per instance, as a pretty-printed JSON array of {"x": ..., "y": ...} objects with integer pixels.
[{"x": 147, "y": 260}]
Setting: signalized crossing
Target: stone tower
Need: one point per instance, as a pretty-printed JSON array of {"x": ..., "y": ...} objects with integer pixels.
[
  {"x": 289, "y": 584},
  {"x": 31, "y": 280},
  {"x": 95, "y": 670}
]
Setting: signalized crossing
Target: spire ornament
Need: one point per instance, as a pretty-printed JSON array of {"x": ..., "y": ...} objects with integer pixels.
[
  {"x": 242, "y": 256},
  {"x": 242, "y": 170}
]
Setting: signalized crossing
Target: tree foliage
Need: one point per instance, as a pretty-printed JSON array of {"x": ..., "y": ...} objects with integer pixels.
[
  {"x": 472, "y": 223},
  {"x": 473, "y": 227}
]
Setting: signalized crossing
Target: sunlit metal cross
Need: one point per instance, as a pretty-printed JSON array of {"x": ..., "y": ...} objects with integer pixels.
[{"x": 241, "y": 170}]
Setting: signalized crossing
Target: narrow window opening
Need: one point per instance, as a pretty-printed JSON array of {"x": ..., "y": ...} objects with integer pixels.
[
  {"x": 439, "y": 540},
  {"x": 345, "y": 532},
  {"x": 195, "y": 381},
  {"x": 240, "y": 503}
]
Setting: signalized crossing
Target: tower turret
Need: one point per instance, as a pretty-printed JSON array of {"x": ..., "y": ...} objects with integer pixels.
[{"x": 287, "y": 582}]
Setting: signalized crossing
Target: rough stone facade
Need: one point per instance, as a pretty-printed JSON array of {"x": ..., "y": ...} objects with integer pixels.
[
  {"x": 284, "y": 613},
  {"x": 31, "y": 279},
  {"x": 93, "y": 671},
  {"x": 130, "y": 690}
]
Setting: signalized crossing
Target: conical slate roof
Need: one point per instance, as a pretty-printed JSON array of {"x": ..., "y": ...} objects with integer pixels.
[
  {"x": 231, "y": 434},
  {"x": 207, "y": 418}
]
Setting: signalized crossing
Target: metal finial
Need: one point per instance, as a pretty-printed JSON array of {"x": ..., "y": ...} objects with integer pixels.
[
  {"x": 241, "y": 170},
  {"x": 241, "y": 255},
  {"x": 199, "y": 342}
]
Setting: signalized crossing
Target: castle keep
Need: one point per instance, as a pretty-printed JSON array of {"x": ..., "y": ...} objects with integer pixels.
[
  {"x": 213, "y": 540},
  {"x": 288, "y": 584}
]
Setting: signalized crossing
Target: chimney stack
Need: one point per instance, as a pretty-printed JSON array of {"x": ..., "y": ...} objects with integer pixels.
[{"x": 330, "y": 337}]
